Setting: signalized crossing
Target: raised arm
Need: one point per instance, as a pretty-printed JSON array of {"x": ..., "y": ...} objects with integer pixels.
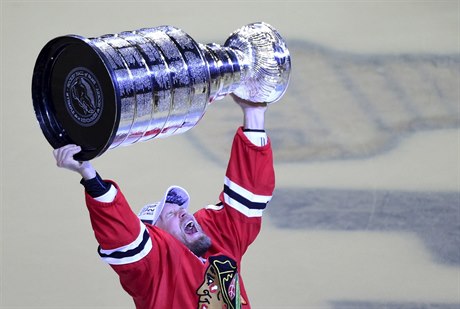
[
  {"x": 123, "y": 239},
  {"x": 248, "y": 184},
  {"x": 250, "y": 177}
]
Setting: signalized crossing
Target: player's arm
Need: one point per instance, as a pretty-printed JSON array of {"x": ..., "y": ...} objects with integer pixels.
[
  {"x": 123, "y": 239},
  {"x": 250, "y": 178}
]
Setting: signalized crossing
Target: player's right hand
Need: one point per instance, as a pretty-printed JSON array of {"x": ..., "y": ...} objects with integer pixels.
[{"x": 64, "y": 159}]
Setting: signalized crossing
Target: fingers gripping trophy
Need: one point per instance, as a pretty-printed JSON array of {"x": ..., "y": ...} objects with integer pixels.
[{"x": 121, "y": 89}]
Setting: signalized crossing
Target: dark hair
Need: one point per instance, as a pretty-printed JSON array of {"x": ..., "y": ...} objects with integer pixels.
[{"x": 174, "y": 198}]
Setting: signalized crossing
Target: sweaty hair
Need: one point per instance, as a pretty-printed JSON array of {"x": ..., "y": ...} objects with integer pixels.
[{"x": 174, "y": 198}]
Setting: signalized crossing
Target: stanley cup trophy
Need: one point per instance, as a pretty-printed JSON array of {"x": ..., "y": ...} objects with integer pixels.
[{"x": 120, "y": 89}]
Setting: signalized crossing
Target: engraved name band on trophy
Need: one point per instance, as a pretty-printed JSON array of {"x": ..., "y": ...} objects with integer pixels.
[{"x": 120, "y": 89}]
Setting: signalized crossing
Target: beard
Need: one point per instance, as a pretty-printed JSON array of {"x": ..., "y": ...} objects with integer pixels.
[{"x": 200, "y": 245}]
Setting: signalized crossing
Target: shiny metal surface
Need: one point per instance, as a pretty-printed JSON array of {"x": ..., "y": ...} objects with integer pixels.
[
  {"x": 265, "y": 61},
  {"x": 163, "y": 80}
]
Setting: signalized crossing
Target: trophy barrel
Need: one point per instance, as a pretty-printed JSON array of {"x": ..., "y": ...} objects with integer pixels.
[{"x": 119, "y": 89}]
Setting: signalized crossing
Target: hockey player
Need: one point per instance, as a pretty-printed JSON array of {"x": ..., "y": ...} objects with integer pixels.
[{"x": 166, "y": 257}]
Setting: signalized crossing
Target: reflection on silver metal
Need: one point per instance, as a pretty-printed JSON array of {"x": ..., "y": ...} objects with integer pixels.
[{"x": 163, "y": 80}]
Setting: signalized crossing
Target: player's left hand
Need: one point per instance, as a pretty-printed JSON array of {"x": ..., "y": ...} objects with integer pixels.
[
  {"x": 254, "y": 113},
  {"x": 248, "y": 104}
]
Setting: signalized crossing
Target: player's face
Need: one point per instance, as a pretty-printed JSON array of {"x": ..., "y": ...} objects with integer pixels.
[{"x": 179, "y": 223}]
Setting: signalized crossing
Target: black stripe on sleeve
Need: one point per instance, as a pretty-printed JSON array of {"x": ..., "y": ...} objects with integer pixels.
[
  {"x": 129, "y": 253},
  {"x": 254, "y": 130},
  {"x": 242, "y": 200}
]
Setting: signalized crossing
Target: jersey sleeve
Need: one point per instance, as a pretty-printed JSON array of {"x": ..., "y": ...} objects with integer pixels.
[
  {"x": 139, "y": 253},
  {"x": 125, "y": 243},
  {"x": 250, "y": 178},
  {"x": 248, "y": 187},
  {"x": 122, "y": 237}
]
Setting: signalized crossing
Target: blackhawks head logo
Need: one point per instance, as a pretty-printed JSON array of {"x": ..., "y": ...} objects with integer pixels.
[{"x": 220, "y": 288}]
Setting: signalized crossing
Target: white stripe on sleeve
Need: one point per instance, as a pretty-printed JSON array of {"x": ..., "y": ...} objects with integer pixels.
[
  {"x": 109, "y": 196},
  {"x": 130, "y": 253}
]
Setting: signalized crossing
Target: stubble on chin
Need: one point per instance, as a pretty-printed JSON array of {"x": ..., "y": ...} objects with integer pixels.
[{"x": 200, "y": 245}]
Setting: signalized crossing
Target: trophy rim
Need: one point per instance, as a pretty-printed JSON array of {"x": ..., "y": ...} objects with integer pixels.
[{"x": 58, "y": 129}]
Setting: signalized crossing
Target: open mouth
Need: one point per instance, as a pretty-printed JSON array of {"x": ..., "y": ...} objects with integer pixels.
[{"x": 190, "y": 228}]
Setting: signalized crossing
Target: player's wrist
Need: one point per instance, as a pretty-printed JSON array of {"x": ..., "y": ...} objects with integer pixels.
[
  {"x": 87, "y": 172},
  {"x": 95, "y": 186},
  {"x": 254, "y": 118}
]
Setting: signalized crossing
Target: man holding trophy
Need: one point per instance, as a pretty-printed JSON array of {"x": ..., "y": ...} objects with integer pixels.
[{"x": 164, "y": 256}]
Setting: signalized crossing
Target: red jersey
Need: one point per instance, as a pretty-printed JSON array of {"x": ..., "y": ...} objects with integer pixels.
[{"x": 158, "y": 271}]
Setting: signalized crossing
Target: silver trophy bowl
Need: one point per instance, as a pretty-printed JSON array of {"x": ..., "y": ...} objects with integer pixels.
[{"x": 120, "y": 89}]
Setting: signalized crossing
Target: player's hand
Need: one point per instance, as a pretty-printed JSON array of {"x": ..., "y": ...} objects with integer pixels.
[
  {"x": 64, "y": 159},
  {"x": 248, "y": 104},
  {"x": 254, "y": 113}
]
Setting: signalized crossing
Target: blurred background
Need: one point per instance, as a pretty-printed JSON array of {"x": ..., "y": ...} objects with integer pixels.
[{"x": 366, "y": 213}]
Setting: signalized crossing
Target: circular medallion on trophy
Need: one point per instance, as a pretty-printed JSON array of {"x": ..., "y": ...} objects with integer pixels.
[{"x": 83, "y": 96}]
